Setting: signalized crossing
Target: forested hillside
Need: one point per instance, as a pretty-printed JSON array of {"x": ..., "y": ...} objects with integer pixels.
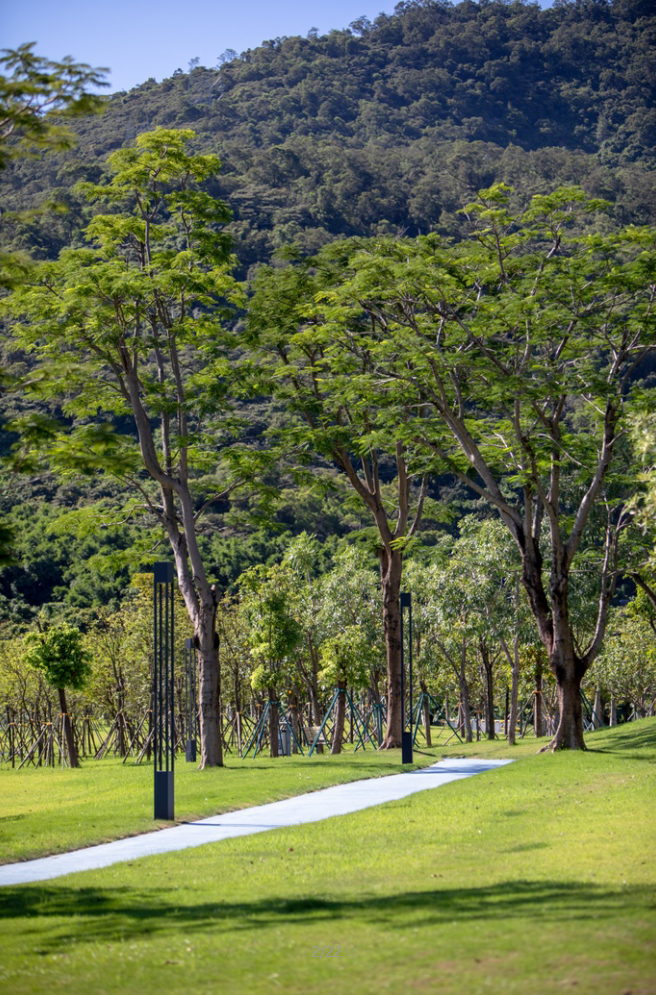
[
  {"x": 382, "y": 128},
  {"x": 390, "y": 126}
]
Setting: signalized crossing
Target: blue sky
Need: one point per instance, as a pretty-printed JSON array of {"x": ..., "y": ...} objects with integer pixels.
[{"x": 142, "y": 38}]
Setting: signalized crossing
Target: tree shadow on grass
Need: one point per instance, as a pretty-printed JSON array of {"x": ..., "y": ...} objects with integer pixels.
[
  {"x": 627, "y": 740},
  {"x": 107, "y": 914}
]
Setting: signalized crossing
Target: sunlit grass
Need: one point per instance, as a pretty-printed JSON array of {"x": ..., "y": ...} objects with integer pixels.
[
  {"x": 536, "y": 878},
  {"x": 49, "y": 810}
]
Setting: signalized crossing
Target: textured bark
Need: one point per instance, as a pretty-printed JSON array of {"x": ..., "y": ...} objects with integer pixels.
[
  {"x": 538, "y": 707},
  {"x": 209, "y": 694},
  {"x": 73, "y": 758},
  {"x": 340, "y": 714},
  {"x": 514, "y": 693},
  {"x": 489, "y": 690},
  {"x": 273, "y": 724},
  {"x": 568, "y": 668},
  {"x": 391, "y": 566},
  {"x": 569, "y": 733},
  {"x": 426, "y": 713}
]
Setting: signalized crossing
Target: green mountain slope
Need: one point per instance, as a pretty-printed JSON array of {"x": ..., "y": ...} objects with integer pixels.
[
  {"x": 385, "y": 127},
  {"x": 391, "y": 125}
]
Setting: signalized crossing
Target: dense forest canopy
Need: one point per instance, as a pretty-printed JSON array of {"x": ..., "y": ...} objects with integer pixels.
[
  {"x": 391, "y": 125},
  {"x": 127, "y": 371},
  {"x": 386, "y": 127}
]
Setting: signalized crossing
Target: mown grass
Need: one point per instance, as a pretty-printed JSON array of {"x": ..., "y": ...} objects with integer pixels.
[
  {"x": 49, "y": 810},
  {"x": 536, "y": 878}
]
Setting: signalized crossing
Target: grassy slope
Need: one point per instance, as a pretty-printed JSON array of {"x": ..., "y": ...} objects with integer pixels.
[
  {"x": 46, "y": 810},
  {"x": 537, "y": 878}
]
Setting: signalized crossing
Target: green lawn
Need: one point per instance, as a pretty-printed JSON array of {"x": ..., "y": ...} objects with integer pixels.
[
  {"x": 48, "y": 810},
  {"x": 537, "y": 878}
]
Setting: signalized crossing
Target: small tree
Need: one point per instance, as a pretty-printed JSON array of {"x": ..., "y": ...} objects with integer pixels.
[
  {"x": 347, "y": 657},
  {"x": 274, "y": 635},
  {"x": 301, "y": 559},
  {"x": 60, "y": 654}
]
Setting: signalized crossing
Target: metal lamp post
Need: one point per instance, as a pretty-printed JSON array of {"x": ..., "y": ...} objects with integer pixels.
[
  {"x": 406, "y": 737},
  {"x": 163, "y": 730}
]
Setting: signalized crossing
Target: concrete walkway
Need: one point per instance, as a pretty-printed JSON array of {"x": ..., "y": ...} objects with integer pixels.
[{"x": 338, "y": 800}]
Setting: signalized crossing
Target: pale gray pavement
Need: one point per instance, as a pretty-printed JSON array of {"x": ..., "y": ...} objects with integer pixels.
[{"x": 341, "y": 799}]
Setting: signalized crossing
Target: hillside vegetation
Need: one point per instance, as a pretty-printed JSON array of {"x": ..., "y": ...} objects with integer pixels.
[
  {"x": 385, "y": 127},
  {"x": 391, "y": 126}
]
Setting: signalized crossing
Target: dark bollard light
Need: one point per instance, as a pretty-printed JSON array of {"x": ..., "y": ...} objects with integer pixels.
[
  {"x": 163, "y": 732},
  {"x": 406, "y": 737}
]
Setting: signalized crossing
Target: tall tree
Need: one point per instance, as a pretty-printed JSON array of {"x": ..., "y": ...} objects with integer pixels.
[
  {"x": 130, "y": 326},
  {"x": 34, "y": 86},
  {"x": 312, "y": 361},
  {"x": 520, "y": 351}
]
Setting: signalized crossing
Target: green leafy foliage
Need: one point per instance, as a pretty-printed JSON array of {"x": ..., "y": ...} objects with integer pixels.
[
  {"x": 60, "y": 654},
  {"x": 146, "y": 297},
  {"x": 389, "y": 130},
  {"x": 626, "y": 669},
  {"x": 267, "y": 599},
  {"x": 35, "y": 87}
]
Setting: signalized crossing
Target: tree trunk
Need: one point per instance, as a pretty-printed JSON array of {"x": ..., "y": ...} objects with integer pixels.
[
  {"x": 426, "y": 711},
  {"x": 340, "y": 714},
  {"x": 464, "y": 694},
  {"x": 68, "y": 730},
  {"x": 569, "y": 670},
  {"x": 598, "y": 710},
  {"x": 489, "y": 690},
  {"x": 613, "y": 711},
  {"x": 209, "y": 692},
  {"x": 352, "y": 722},
  {"x": 557, "y": 636},
  {"x": 514, "y": 694},
  {"x": 391, "y": 567},
  {"x": 569, "y": 732},
  {"x": 505, "y": 714},
  {"x": 292, "y": 718},
  {"x": 538, "y": 705},
  {"x": 273, "y": 723}
]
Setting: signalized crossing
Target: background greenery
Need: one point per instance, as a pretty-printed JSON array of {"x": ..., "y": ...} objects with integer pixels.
[
  {"x": 535, "y": 878},
  {"x": 383, "y": 128}
]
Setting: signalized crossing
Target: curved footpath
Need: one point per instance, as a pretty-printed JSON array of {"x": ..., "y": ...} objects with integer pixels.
[{"x": 338, "y": 800}]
